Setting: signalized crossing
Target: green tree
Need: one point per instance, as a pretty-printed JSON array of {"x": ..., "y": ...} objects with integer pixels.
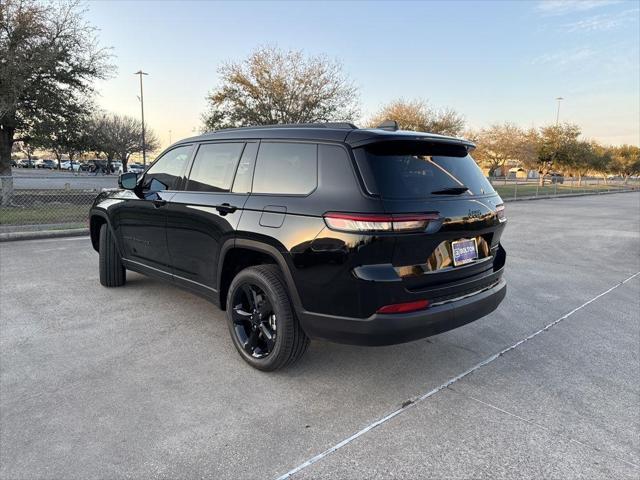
[
  {"x": 601, "y": 163},
  {"x": 417, "y": 115},
  {"x": 497, "y": 144},
  {"x": 588, "y": 157},
  {"x": 557, "y": 148},
  {"x": 273, "y": 86},
  {"x": 63, "y": 134},
  {"x": 626, "y": 161},
  {"x": 49, "y": 60}
]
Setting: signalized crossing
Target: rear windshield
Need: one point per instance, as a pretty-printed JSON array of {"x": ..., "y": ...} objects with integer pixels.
[{"x": 410, "y": 170}]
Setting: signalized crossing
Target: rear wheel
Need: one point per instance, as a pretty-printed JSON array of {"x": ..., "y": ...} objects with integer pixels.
[
  {"x": 112, "y": 272},
  {"x": 263, "y": 326}
]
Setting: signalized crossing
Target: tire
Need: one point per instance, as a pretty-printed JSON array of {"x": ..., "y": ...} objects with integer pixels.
[
  {"x": 290, "y": 340},
  {"x": 112, "y": 272}
]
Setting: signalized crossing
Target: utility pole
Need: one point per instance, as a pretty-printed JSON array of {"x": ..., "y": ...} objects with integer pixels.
[
  {"x": 144, "y": 145},
  {"x": 559, "y": 99}
]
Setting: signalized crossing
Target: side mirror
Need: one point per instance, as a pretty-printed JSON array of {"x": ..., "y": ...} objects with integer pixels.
[{"x": 128, "y": 180}]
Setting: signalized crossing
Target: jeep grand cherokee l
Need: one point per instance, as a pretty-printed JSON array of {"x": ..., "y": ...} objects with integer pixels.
[{"x": 361, "y": 236}]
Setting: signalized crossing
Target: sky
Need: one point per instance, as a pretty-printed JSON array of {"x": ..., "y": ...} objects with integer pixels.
[{"x": 491, "y": 61}]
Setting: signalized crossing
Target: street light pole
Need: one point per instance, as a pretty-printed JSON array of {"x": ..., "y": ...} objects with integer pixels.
[
  {"x": 559, "y": 99},
  {"x": 144, "y": 145}
]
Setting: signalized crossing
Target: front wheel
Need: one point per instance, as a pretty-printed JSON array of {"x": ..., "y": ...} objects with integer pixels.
[
  {"x": 112, "y": 272},
  {"x": 263, "y": 326}
]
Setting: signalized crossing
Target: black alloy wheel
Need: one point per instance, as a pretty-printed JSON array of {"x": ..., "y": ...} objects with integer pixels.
[
  {"x": 261, "y": 319},
  {"x": 254, "y": 321}
]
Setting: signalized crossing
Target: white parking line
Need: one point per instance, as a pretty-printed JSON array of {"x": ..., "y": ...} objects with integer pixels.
[{"x": 449, "y": 382}]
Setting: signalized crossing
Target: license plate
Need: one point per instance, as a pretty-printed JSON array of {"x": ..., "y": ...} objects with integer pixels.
[{"x": 464, "y": 251}]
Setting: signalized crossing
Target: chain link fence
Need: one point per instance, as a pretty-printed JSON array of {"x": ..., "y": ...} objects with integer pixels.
[
  {"x": 60, "y": 200},
  {"x": 522, "y": 189},
  {"x": 52, "y": 201}
]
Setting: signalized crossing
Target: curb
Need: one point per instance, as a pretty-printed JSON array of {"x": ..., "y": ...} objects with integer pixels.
[{"x": 73, "y": 232}]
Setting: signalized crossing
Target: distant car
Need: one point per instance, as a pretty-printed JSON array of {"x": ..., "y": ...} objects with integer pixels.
[
  {"x": 14, "y": 163},
  {"x": 26, "y": 163},
  {"x": 135, "y": 168},
  {"x": 49, "y": 164},
  {"x": 556, "y": 177},
  {"x": 67, "y": 165}
]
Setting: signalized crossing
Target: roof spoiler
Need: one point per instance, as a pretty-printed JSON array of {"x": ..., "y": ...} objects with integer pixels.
[{"x": 390, "y": 125}]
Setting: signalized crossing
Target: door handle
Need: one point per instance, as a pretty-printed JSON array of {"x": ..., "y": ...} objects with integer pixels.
[
  {"x": 159, "y": 203},
  {"x": 226, "y": 208}
]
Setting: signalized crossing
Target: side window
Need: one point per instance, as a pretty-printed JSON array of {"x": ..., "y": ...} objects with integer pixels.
[
  {"x": 167, "y": 171},
  {"x": 286, "y": 168},
  {"x": 244, "y": 174},
  {"x": 214, "y": 167}
]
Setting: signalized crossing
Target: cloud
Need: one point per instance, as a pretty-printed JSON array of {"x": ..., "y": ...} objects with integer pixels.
[
  {"x": 602, "y": 22},
  {"x": 564, "y": 58},
  {"x": 562, "y": 7}
]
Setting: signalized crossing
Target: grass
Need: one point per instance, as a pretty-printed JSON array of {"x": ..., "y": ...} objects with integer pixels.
[{"x": 41, "y": 214}]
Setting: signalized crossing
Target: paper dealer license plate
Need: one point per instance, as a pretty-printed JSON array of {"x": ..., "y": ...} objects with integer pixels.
[{"x": 464, "y": 251}]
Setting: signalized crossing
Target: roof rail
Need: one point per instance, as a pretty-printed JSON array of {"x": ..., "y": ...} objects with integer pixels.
[{"x": 338, "y": 125}]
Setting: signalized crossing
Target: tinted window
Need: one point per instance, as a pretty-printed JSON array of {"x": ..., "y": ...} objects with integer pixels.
[
  {"x": 168, "y": 169},
  {"x": 244, "y": 173},
  {"x": 415, "y": 171},
  {"x": 214, "y": 167},
  {"x": 286, "y": 168}
]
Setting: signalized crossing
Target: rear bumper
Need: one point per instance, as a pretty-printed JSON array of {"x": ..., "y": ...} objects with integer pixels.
[{"x": 389, "y": 329}]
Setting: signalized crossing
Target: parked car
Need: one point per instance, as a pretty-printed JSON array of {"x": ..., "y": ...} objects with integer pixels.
[
  {"x": 68, "y": 165},
  {"x": 135, "y": 167},
  {"x": 27, "y": 163},
  {"x": 361, "y": 236},
  {"x": 556, "y": 177},
  {"x": 48, "y": 164},
  {"x": 14, "y": 163}
]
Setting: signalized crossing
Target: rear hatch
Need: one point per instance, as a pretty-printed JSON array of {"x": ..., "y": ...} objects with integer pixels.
[{"x": 460, "y": 245}]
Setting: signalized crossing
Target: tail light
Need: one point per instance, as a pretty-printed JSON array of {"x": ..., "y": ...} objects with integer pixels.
[
  {"x": 365, "y": 222},
  {"x": 404, "y": 307},
  {"x": 500, "y": 213}
]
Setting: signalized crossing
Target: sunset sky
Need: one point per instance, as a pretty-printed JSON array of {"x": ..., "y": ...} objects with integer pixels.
[{"x": 491, "y": 61}]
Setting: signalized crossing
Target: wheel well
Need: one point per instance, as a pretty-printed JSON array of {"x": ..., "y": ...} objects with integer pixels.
[
  {"x": 95, "y": 224},
  {"x": 238, "y": 259}
]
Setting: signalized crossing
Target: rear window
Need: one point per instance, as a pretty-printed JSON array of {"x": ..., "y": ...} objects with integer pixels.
[
  {"x": 410, "y": 170},
  {"x": 286, "y": 168}
]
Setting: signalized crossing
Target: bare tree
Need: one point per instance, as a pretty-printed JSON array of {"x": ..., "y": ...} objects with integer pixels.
[
  {"x": 272, "y": 86},
  {"x": 418, "y": 116},
  {"x": 119, "y": 136},
  {"x": 49, "y": 59}
]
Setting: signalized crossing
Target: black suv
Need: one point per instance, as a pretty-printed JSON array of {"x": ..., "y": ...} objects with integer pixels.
[{"x": 362, "y": 236}]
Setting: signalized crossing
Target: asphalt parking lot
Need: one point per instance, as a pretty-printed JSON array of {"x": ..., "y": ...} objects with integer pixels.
[{"x": 143, "y": 381}]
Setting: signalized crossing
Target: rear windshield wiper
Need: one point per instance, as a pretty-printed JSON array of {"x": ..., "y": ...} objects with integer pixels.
[{"x": 451, "y": 191}]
